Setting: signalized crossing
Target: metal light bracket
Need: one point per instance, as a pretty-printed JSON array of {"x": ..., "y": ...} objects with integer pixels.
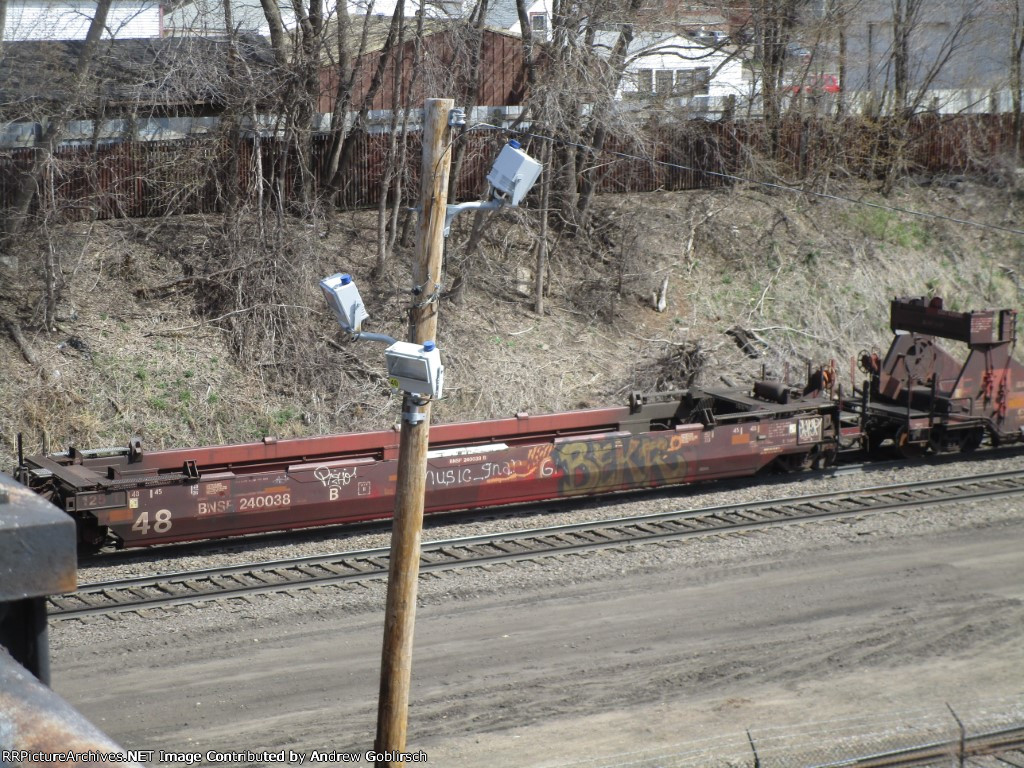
[
  {"x": 413, "y": 417},
  {"x": 452, "y": 211},
  {"x": 411, "y": 405},
  {"x": 366, "y": 336}
]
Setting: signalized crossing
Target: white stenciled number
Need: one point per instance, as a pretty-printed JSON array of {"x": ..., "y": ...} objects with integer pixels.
[
  {"x": 265, "y": 502},
  {"x": 161, "y": 522},
  {"x": 142, "y": 523}
]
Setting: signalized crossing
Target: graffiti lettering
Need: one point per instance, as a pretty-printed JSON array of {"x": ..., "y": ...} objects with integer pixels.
[
  {"x": 539, "y": 453},
  {"x": 809, "y": 430},
  {"x": 596, "y": 465},
  {"x": 492, "y": 471},
  {"x": 334, "y": 478},
  {"x": 487, "y": 472},
  {"x": 446, "y": 477}
]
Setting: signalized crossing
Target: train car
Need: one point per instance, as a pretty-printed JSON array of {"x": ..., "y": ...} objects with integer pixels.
[
  {"x": 130, "y": 497},
  {"x": 922, "y": 398},
  {"x": 917, "y": 398}
]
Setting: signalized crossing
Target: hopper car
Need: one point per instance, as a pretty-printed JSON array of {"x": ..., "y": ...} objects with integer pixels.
[{"x": 914, "y": 399}]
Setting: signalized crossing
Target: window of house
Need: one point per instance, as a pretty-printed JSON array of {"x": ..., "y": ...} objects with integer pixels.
[
  {"x": 539, "y": 22},
  {"x": 663, "y": 82},
  {"x": 691, "y": 82},
  {"x": 645, "y": 82}
]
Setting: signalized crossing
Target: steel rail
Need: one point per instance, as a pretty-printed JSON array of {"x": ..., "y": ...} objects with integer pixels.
[
  {"x": 187, "y": 587},
  {"x": 934, "y": 753}
]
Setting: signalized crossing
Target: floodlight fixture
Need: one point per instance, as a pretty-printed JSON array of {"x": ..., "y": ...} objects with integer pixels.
[
  {"x": 415, "y": 368},
  {"x": 514, "y": 173},
  {"x": 344, "y": 300}
]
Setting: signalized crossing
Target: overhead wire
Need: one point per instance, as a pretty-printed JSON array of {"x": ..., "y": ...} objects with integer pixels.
[{"x": 758, "y": 182}]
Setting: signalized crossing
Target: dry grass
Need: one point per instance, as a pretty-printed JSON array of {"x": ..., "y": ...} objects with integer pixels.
[{"x": 253, "y": 352}]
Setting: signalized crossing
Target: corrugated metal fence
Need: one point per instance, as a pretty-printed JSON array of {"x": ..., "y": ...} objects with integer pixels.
[{"x": 143, "y": 179}]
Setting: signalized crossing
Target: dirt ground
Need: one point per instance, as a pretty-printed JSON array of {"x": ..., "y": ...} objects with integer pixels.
[{"x": 813, "y": 645}]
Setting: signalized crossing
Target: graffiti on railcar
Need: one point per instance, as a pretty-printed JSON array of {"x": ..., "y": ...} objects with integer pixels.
[
  {"x": 593, "y": 465},
  {"x": 485, "y": 472},
  {"x": 334, "y": 478}
]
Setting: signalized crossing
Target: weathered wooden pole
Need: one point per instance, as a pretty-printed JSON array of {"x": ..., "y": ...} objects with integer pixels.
[{"x": 400, "y": 613}]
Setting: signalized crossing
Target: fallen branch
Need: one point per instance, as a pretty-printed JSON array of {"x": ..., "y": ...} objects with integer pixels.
[
  {"x": 176, "y": 331},
  {"x": 787, "y": 329},
  {"x": 748, "y": 341},
  {"x": 14, "y": 331},
  {"x": 150, "y": 292},
  {"x": 354, "y": 362}
]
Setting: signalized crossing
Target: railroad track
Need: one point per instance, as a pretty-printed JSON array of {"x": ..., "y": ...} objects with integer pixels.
[
  {"x": 1007, "y": 743},
  {"x": 237, "y": 581}
]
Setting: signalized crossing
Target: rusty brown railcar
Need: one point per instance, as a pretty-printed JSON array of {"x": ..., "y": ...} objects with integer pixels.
[
  {"x": 919, "y": 397},
  {"x": 131, "y": 497}
]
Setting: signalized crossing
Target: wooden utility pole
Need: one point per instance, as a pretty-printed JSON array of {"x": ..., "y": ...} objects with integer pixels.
[{"x": 404, "y": 569}]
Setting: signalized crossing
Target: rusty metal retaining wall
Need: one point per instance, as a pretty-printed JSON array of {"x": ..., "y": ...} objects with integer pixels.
[{"x": 143, "y": 179}]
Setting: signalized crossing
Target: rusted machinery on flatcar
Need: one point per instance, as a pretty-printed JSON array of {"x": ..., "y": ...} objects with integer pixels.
[{"x": 922, "y": 397}]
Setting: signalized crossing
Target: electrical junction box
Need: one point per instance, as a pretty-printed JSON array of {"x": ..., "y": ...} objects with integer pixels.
[
  {"x": 514, "y": 172},
  {"x": 344, "y": 300},
  {"x": 415, "y": 368}
]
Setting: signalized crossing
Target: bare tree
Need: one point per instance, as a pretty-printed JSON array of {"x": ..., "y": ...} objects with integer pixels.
[
  {"x": 925, "y": 41},
  {"x": 772, "y": 25},
  {"x": 395, "y": 170},
  {"x": 1016, "y": 61},
  {"x": 343, "y": 138},
  {"x": 29, "y": 182},
  {"x": 301, "y": 57}
]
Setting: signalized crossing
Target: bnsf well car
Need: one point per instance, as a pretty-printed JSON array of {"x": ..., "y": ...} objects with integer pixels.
[{"x": 916, "y": 398}]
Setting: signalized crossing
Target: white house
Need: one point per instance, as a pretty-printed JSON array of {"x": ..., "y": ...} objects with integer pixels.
[
  {"x": 70, "y": 19},
  {"x": 206, "y": 17},
  {"x": 679, "y": 71},
  {"x": 134, "y": 19},
  {"x": 505, "y": 16}
]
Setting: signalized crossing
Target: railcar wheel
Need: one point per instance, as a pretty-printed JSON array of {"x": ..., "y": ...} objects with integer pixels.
[
  {"x": 91, "y": 536},
  {"x": 873, "y": 439},
  {"x": 826, "y": 457},
  {"x": 971, "y": 439},
  {"x": 794, "y": 462},
  {"x": 907, "y": 449},
  {"x": 939, "y": 440}
]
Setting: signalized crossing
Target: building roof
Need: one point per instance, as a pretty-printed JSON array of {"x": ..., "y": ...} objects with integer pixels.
[
  {"x": 152, "y": 72},
  {"x": 377, "y": 26},
  {"x": 502, "y": 14},
  {"x": 670, "y": 43}
]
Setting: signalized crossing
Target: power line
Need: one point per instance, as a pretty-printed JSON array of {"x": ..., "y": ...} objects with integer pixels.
[{"x": 769, "y": 184}]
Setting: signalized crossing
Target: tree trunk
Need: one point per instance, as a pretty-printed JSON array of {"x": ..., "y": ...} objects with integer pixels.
[
  {"x": 471, "y": 94},
  {"x": 344, "y": 152},
  {"x": 1017, "y": 76},
  {"x": 30, "y": 182},
  {"x": 232, "y": 131},
  {"x": 391, "y": 170},
  {"x": 542, "y": 238}
]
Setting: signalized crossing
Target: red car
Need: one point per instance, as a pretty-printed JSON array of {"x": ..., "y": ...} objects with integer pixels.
[{"x": 816, "y": 84}]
